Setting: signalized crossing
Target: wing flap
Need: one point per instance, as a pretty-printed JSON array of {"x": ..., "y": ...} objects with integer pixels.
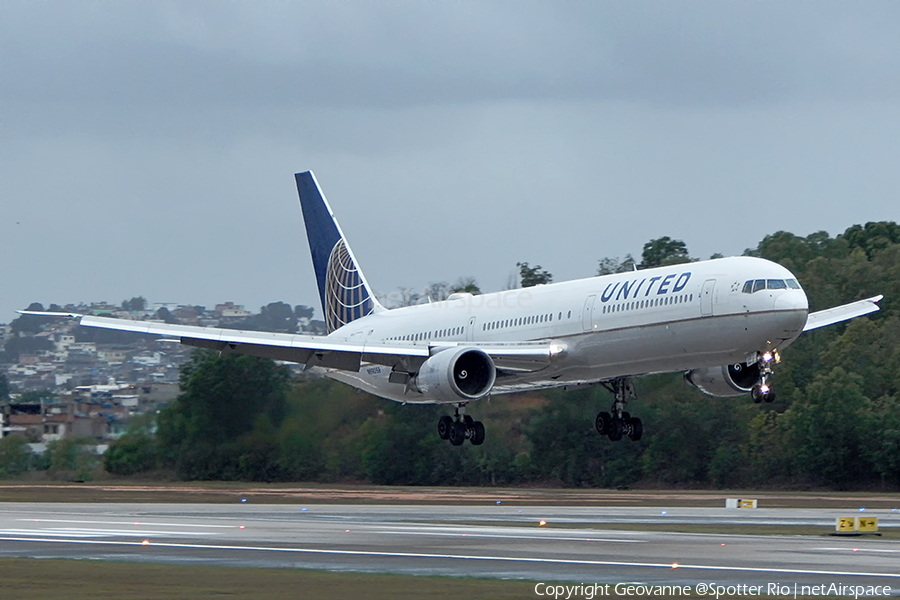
[{"x": 844, "y": 312}]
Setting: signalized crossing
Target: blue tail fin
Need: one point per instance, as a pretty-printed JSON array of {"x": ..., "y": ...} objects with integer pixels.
[{"x": 345, "y": 294}]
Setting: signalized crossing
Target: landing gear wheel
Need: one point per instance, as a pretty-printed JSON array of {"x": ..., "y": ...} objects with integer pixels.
[
  {"x": 444, "y": 425},
  {"x": 602, "y": 422},
  {"x": 615, "y": 430},
  {"x": 618, "y": 422},
  {"x": 457, "y": 434},
  {"x": 756, "y": 394},
  {"x": 634, "y": 427},
  {"x": 759, "y": 393},
  {"x": 468, "y": 420},
  {"x": 477, "y": 433}
]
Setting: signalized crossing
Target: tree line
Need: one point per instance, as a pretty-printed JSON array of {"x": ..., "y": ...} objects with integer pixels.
[{"x": 835, "y": 424}]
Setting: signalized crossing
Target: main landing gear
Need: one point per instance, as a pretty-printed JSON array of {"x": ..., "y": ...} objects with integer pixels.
[
  {"x": 618, "y": 422},
  {"x": 461, "y": 427},
  {"x": 761, "y": 390}
]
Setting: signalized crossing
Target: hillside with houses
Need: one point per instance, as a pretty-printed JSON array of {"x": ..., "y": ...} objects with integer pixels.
[{"x": 62, "y": 381}]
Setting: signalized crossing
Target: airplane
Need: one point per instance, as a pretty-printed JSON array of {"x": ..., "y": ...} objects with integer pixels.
[{"x": 721, "y": 322}]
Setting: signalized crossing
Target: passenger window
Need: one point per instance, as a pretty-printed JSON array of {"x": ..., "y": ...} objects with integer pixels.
[
  {"x": 776, "y": 284},
  {"x": 759, "y": 284}
]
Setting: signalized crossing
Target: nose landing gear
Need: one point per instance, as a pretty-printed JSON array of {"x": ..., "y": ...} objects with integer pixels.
[
  {"x": 761, "y": 390},
  {"x": 618, "y": 423}
]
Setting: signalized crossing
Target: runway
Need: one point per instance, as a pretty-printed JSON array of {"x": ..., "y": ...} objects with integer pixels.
[{"x": 499, "y": 541}]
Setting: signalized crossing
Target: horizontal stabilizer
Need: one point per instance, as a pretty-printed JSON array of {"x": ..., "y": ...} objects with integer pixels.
[{"x": 844, "y": 312}]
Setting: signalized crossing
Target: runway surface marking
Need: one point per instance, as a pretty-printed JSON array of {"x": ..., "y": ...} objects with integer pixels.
[
  {"x": 125, "y": 523},
  {"x": 512, "y": 537},
  {"x": 849, "y": 549},
  {"x": 78, "y": 532},
  {"x": 459, "y": 557}
]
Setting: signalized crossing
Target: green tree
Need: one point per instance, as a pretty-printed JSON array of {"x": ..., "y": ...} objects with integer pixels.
[
  {"x": 565, "y": 447},
  {"x": 137, "y": 304},
  {"x": 29, "y": 323},
  {"x": 664, "y": 251},
  {"x": 166, "y": 316},
  {"x": 302, "y": 311},
  {"x": 71, "y": 460},
  {"x": 828, "y": 429},
  {"x": 465, "y": 284},
  {"x": 530, "y": 276},
  {"x": 873, "y": 237},
  {"x": 275, "y": 316},
  {"x": 608, "y": 266},
  {"x": 4, "y": 387},
  {"x": 223, "y": 400},
  {"x": 399, "y": 433},
  {"x": 132, "y": 454},
  {"x": 15, "y": 456},
  {"x": 881, "y": 444}
]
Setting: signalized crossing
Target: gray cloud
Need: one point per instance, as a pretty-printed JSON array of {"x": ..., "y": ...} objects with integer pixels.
[{"x": 147, "y": 148}]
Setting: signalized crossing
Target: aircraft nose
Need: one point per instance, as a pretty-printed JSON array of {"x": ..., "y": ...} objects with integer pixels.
[{"x": 792, "y": 300}]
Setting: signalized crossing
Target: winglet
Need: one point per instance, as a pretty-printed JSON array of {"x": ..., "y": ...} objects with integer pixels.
[
  {"x": 343, "y": 289},
  {"x": 41, "y": 313}
]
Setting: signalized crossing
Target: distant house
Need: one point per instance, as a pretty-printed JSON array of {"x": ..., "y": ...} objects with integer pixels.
[
  {"x": 112, "y": 355},
  {"x": 229, "y": 310}
]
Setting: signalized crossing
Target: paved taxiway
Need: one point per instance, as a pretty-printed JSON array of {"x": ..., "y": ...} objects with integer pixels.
[{"x": 491, "y": 541}]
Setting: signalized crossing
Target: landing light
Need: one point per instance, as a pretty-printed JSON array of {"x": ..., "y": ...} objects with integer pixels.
[
  {"x": 764, "y": 389},
  {"x": 767, "y": 357}
]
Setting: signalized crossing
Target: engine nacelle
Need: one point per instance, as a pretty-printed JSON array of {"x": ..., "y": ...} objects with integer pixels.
[
  {"x": 730, "y": 380},
  {"x": 457, "y": 375}
]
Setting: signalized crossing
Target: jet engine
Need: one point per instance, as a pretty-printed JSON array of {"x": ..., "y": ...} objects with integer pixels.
[
  {"x": 457, "y": 375},
  {"x": 730, "y": 380}
]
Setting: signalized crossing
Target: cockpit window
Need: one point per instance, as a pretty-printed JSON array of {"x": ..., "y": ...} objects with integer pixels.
[{"x": 755, "y": 285}]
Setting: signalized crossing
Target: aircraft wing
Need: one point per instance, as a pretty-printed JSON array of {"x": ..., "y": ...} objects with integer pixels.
[
  {"x": 318, "y": 351},
  {"x": 844, "y": 312}
]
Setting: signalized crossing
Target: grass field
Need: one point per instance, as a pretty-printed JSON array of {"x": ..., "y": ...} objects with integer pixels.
[
  {"x": 49, "y": 579},
  {"x": 34, "y": 579}
]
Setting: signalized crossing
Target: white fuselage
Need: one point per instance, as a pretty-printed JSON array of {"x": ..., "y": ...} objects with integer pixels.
[{"x": 666, "y": 319}]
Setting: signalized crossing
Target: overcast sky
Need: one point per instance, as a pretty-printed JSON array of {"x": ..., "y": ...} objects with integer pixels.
[{"x": 148, "y": 148}]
